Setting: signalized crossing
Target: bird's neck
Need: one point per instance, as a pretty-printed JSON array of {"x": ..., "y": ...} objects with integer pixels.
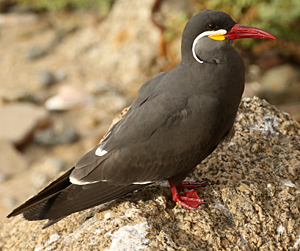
[
  {"x": 218, "y": 80},
  {"x": 186, "y": 53}
]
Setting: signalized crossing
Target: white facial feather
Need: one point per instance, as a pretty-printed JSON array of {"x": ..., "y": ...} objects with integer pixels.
[{"x": 203, "y": 34}]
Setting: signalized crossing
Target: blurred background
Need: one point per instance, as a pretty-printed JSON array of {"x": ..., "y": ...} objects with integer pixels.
[{"x": 69, "y": 67}]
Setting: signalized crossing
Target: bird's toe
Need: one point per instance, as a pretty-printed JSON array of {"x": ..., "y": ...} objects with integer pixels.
[{"x": 189, "y": 199}]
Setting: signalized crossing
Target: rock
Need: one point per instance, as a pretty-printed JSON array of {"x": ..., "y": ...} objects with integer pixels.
[
  {"x": 45, "y": 78},
  {"x": 35, "y": 52},
  {"x": 110, "y": 97},
  {"x": 14, "y": 19},
  {"x": 13, "y": 95},
  {"x": 9, "y": 202},
  {"x": 112, "y": 103},
  {"x": 252, "y": 202},
  {"x": 3, "y": 177},
  {"x": 251, "y": 89},
  {"x": 49, "y": 137},
  {"x": 44, "y": 171},
  {"x": 281, "y": 84},
  {"x": 59, "y": 75},
  {"x": 253, "y": 73},
  {"x": 68, "y": 97},
  {"x": 121, "y": 54},
  {"x": 293, "y": 109},
  {"x": 99, "y": 87},
  {"x": 12, "y": 161},
  {"x": 19, "y": 120}
]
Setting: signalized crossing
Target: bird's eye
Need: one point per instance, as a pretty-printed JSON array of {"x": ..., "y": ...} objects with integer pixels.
[{"x": 212, "y": 26}]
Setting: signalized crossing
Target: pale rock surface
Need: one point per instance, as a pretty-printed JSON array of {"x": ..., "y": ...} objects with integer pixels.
[{"x": 19, "y": 120}]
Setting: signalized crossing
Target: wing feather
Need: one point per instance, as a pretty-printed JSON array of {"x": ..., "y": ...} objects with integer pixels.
[{"x": 48, "y": 192}]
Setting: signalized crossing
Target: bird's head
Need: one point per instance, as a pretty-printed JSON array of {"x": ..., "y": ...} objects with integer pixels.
[{"x": 209, "y": 32}]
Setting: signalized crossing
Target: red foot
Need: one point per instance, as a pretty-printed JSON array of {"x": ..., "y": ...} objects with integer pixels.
[
  {"x": 191, "y": 184},
  {"x": 189, "y": 199}
]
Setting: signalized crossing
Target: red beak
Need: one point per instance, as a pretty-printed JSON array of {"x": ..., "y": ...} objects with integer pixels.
[{"x": 240, "y": 31}]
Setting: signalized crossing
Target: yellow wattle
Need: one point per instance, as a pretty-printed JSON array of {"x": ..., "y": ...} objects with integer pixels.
[{"x": 219, "y": 37}]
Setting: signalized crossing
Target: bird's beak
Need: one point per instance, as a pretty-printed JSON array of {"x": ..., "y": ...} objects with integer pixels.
[{"x": 240, "y": 31}]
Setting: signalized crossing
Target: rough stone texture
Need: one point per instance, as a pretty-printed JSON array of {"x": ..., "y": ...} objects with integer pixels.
[
  {"x": 19, "y": 120},
  {"x": 252, "y": 201}
]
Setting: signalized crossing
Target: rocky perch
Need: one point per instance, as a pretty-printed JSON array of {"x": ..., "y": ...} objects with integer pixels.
[{"x": 252, "y": 201}]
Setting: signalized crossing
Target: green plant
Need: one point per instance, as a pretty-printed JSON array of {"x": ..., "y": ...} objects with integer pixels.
[
  {"x": 55, "y": 5},
  {"x": 175, "y": 25}
]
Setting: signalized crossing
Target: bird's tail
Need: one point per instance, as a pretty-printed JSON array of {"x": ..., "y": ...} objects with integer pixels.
[
  {"x": 43, "y": 196},
  {"x": 61, "y": 198}
]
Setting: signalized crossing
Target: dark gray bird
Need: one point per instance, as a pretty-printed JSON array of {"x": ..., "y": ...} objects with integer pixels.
[{"x": 178, "y": 119}]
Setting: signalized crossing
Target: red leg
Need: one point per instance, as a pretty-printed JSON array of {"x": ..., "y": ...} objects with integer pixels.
[
  {"x": 189, "y": 199},
  {"x": 191, "y": 184}
]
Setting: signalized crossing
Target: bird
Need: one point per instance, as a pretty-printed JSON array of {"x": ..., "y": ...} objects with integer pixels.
[{"x": 178, "y": 119}]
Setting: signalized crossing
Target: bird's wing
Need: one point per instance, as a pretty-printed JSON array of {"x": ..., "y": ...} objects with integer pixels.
[
  {"x": 155, "y": 140},
  {"x": 128, "y": 141}
]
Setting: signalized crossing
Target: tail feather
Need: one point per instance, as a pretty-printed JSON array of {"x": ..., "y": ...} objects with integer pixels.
[
  {"x": 83, "y": 198},
  {"x": 48, "y": 192},
  {"x": 62, "y": 198}
]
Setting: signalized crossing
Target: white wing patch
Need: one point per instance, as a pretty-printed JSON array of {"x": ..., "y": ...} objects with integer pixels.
[
  {"x": 79, "y": 182},
  {"x": 100, "y": 152},
  {"x": 142, "y": 183},
  {"x": 203, "y": 34}
]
